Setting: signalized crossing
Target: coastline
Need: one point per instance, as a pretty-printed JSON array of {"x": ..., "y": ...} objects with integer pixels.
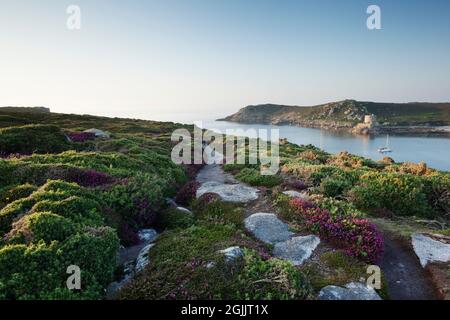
[{"x": 441, "y": 131}]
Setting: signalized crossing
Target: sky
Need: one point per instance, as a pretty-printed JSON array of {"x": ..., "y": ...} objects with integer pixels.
[{"x": 139, "y": 58}]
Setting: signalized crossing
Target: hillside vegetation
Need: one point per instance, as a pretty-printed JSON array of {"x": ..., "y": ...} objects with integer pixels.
[{"x": 71, "y": 198}]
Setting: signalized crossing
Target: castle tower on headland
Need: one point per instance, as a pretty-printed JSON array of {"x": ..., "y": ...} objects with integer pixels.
[
  {"x": 370, "y": 120},
  {"x": 369, "y": 125}
]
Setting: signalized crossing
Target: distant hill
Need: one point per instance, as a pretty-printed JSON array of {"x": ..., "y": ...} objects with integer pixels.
[
  {"x": 346, "y": 114},
  {"x": 25, "y": 109}
]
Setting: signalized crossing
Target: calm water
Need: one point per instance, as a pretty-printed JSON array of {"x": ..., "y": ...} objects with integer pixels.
[{"x": 435, "y": 151}]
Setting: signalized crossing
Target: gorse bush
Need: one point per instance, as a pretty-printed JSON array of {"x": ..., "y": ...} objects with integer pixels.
[
  {"x": 66, "y": 199},
  {"x": 11, "y": 193},
  {"x": 38, "y": 271},
  {"x": 32, "y": 138},
  {"x": 78, "y": 209},
  {"x": 358, "y": 237},
  {"x": 333, "y": 187},
  {"x": 347, "y": 160},
  {"x": 403, "y": 194},
  {"x": 12, "y": 211},
  {"x": 29, "y": 272},
  {"x": 337, "y": 207},
  {"x": 253, "y": 177},
  {"x": 39, "y": 226},
  {"x": 94, "y": 251}
]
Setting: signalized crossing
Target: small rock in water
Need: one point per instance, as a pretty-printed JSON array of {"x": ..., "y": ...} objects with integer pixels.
[
  {"x": 229, "y": 192},
  {"x": 268, "y": 228},
  {"x": 430, "y": 250},
  {"x": 128, "y": 269},
  {"x": 147, "y": 235},
  {"x": 143, "y": 260},
  {"x": 296, "y": 194},
  {"x": 351, "y": 291},
  {"x": 232, "y": 253},
  {"x": 297, "y": 249}
]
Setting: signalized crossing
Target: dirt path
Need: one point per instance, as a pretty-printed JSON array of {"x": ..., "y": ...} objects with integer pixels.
[
  {"x": 214, "y": 172},
  {"x": 405, "y": 276}
]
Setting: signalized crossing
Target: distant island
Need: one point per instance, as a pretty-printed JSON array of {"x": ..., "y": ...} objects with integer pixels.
[{"x": 359, "y": 117}]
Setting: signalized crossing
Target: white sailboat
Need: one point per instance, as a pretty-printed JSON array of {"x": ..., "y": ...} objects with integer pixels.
[{"x": 386, "y": 148}]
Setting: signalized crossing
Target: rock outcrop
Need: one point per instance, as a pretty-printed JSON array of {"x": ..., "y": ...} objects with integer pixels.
[
  {"x": 429, "y": 250},
  {"x": 351, "y": 291},
  {"x": 147, "y": 235},
  {"x": 297, "y": 249},
  {"x": 143, "y": 260},
  {"x": 268, "y": 228},
  {"x": 296, "y": 194},
  {"x": 99, "y": 133},
  {"x": 232, "y": 253},
  {"x": 229, "y": 192}
]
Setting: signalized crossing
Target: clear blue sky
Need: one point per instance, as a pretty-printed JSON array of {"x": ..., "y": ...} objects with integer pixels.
[{"x": 139, "y": 58}]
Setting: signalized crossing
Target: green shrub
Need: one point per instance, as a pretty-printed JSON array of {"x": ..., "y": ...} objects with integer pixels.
[
  {"x": 30, "y": 272},
  {"x": 219, "y": 212},
  {"x": 12, "y": 211},
  {"x": 403, "y": 194},
  {"x": 338, "y": 207},
  {"x": 32, "y": 139},
  {"x": 333, "y": 187},
  {"x": 272, "y": 280},
  {"x": 13, "y": 193},
  {"x": 235, "y": 167},
  {"x": 80, "y": 210},
  {"x": 254, "y": 178},
  {"x": 148, "y": 189},
  {"x": 39, "y": 226},
  {"x": 174, "y": 218},
  {"x": 184, "y": 273},
  {"x": 437, "y": 189},
  {"x": 94, "y": 251}
]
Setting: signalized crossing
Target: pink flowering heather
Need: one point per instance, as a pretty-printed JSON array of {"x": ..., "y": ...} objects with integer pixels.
[
  {"x": 358, "y": 237},
  {"x": 146, "y": 216},
  {"x": 192, "y": 170},
  {"x": 187, "y": 193},
  {"x": 128, "y": 235},
  {"x": 89, "y": 178},
  {"x": 81, "y": 136},
  {"x": 207, "y": 198},
  {"x": 298, "y": 185}
]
